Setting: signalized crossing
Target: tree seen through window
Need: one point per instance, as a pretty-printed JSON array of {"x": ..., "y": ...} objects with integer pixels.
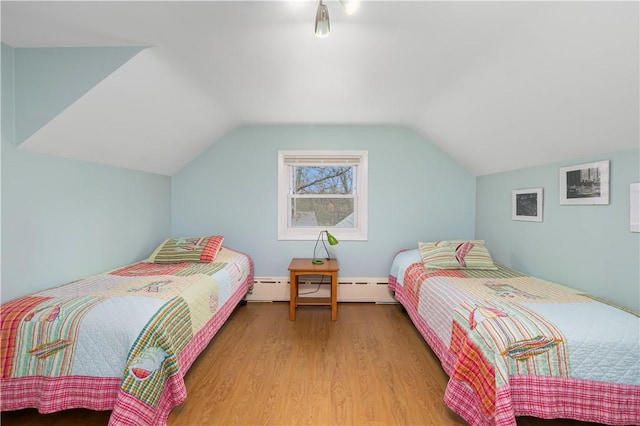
[{"x": 322, "y": 196}]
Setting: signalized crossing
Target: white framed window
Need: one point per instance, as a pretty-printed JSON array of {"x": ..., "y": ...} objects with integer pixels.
[{"x": 322, "y": 190}]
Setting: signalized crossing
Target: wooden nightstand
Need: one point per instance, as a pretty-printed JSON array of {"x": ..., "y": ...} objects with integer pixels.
[{"x": 299, "y": 267}]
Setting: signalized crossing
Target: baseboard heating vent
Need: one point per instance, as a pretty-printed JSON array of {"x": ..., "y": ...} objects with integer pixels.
[{"x": 272, "y": 289}]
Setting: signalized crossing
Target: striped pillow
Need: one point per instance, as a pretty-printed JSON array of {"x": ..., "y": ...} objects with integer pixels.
[
  {"x": 461, "y": 252},
  {"x": 179, "y": 250},
  {"x": 474, "y": 255},
  {"x": 479, "y": 258},
  {"x": 438, "y": 255}
]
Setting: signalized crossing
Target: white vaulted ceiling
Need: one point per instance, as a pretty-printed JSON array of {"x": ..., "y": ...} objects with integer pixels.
[{"x": 496, "y": 85}]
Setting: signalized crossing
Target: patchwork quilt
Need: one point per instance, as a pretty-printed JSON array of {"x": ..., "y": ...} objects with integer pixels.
[
  {"x": 514, "y": 345},
  {"x": 122, "y": 340}
]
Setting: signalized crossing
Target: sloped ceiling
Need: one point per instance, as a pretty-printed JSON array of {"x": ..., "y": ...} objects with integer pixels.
[
  {"x": 496, "y": 85},
  {"x": 48, "y": 80}
]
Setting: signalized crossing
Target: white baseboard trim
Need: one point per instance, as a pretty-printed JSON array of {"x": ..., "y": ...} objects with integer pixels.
[{"x": 272, "y": 289}]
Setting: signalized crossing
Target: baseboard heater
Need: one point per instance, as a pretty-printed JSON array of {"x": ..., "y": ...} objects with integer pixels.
[{"x": 273, "y": 289}]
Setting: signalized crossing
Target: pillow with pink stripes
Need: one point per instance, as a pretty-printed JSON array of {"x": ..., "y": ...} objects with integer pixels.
[
  {"x": 456, "y": 254},
  {"x": 179, "y": 250},
  {"x": 473, "y": 255},
  {"x": 438, "y": 255}
]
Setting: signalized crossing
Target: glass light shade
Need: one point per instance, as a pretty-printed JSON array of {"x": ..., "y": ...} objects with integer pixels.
[
  {"x": 350, "y": 6},
  {"x": 322, "y": 21}
]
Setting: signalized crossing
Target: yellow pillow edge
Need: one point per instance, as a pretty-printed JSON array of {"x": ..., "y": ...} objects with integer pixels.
[
  {"x": 152, "y": 258},
  {"x": 478, "y": 242}
]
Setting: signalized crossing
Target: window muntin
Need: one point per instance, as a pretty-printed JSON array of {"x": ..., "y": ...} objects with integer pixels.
[{"x": 321, "y": 190}]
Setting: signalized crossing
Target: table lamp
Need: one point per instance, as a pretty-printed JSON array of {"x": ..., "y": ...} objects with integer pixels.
[{"x": 332, "y": 241}]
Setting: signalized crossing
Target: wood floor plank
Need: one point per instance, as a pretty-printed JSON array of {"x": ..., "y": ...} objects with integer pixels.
[{"x": 371, "y": 367}]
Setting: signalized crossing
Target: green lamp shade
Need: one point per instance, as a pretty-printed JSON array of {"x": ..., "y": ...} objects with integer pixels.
[{"x": 331, "y": 239}]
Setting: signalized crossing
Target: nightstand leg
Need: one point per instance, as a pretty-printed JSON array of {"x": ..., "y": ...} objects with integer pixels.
[
  {"x": 293, "y": 294},
  {"x": 334, "y": 296}
]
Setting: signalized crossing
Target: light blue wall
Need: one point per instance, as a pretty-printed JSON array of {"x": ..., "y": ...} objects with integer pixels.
[
  {"x": 415, "y": 192},
  {"x": 7, "y": 116},
  {"x": 65, "y": 219},
  {"x": 48, "y": 80},
  {"x": 8, "y": 93},
  {"x": 589, "y": 248}
]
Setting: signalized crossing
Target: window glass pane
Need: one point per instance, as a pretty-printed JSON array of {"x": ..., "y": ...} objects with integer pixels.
[
  {"x": 322, "y": 180},
  {"x": 324, "y": 212}
]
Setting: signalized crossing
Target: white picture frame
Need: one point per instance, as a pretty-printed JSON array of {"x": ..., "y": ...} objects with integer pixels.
[
  {"x": 526, "y": 204},
  {"x": 585, "y": 184},
  {"x": 634, "y": 207}
]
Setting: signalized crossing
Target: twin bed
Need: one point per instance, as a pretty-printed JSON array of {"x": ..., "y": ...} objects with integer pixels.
[
  {"x": 514, "y": 345},
  {"x": 121, "y": 340}
]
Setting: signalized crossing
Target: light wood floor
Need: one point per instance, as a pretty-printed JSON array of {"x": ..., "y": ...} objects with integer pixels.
[{"x": 371, "y": 367}]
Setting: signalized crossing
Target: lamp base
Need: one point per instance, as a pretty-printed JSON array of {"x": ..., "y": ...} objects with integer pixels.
[{"x": 317, "y": 262}]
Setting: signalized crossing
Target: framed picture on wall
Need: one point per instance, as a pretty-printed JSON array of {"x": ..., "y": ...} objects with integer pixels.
[
  {"x": 526, "y": 204},
  {"x": 586, "y": 184}
]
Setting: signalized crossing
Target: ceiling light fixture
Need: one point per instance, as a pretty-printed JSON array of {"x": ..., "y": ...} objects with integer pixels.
[
  {"x": 322, "y": 21},
  {"x": 350, "y": 6}
]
